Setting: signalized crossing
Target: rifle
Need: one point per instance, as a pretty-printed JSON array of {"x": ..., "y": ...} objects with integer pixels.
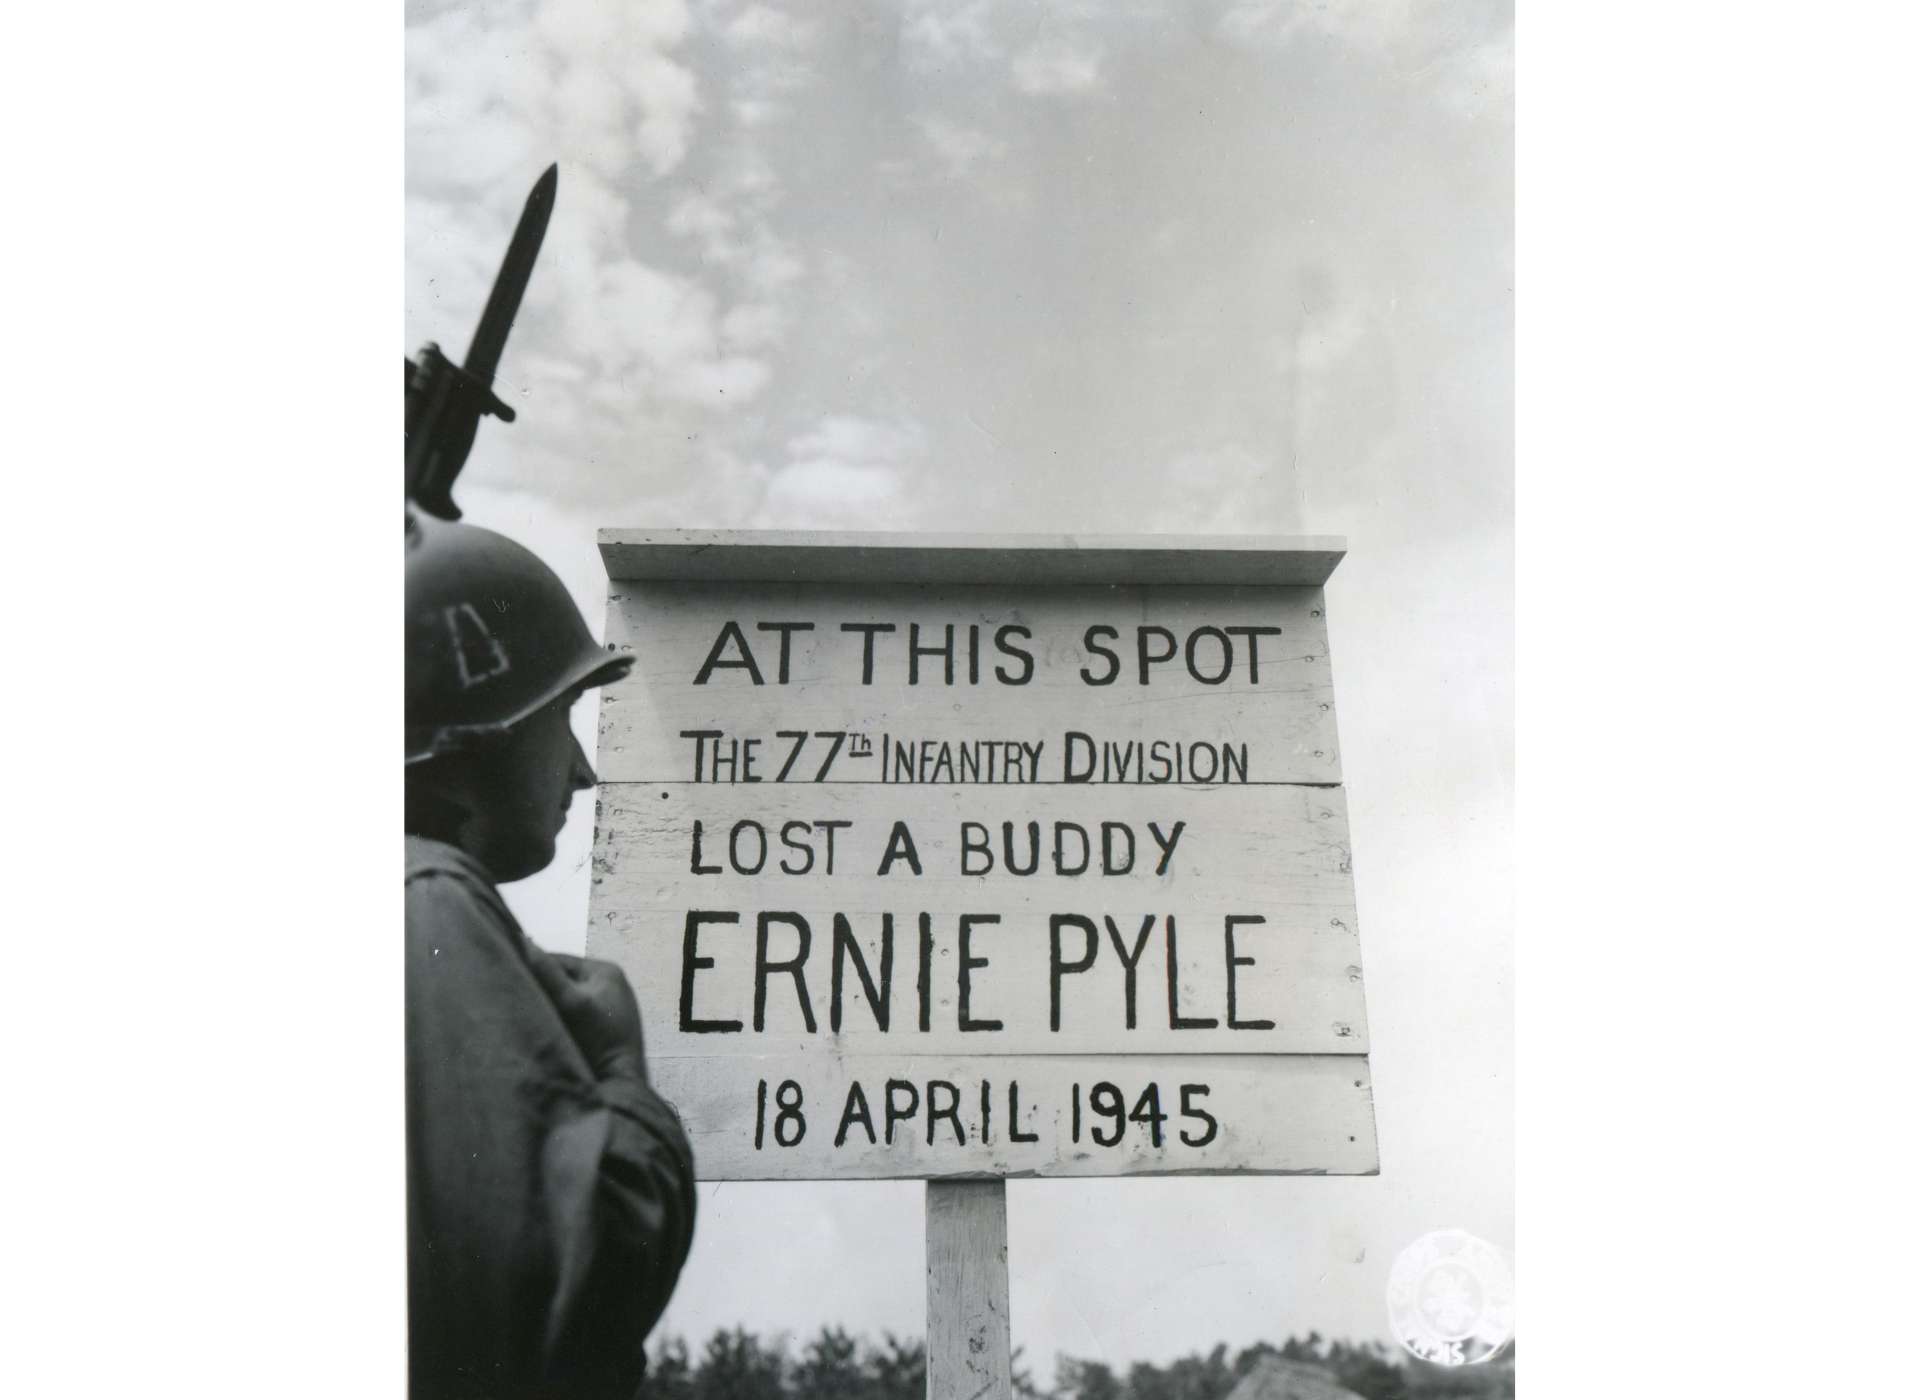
[{"x": 445, "y": 401}]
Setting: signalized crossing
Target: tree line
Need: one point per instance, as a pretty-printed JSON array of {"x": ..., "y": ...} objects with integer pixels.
[{"x": 834, "y": 1365}]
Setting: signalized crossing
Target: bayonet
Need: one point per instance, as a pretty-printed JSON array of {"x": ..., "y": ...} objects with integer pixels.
[{"x": 445, "y": 401}]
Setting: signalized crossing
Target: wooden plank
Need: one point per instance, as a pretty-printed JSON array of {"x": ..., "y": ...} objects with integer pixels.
[
  {"x": 857, "y": 557},
  {"x": 1017, "y": 767},
  {"x": 1274, "y": 860},
  {"x": 1227, "y": 705},
  {"x": 1271, "y": 1114},
  {"x": 969, "y": 1340}
]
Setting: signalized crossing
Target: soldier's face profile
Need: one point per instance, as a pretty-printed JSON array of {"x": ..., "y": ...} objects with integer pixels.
[{"x": 526, "y": 787}]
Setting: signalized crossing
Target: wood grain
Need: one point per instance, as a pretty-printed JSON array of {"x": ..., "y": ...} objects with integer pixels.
[
  {"x": 1276, "y": 1114},
  {"x": 1274, "y": 859},
  {"x": 859, "y": 557},
  {"x": 969, "y": 1340},
  {"x": 1281, "y": 709},
  {"x": 1143, "y": 884}
]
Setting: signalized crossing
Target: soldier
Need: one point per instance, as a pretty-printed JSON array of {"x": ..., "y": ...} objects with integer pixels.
[{"x": 550, "y": 1190}]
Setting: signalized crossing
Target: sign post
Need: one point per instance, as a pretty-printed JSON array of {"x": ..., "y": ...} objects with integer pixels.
[
  {"x": 969, "y": 1331},
  {"x": 961, "y": 858}
]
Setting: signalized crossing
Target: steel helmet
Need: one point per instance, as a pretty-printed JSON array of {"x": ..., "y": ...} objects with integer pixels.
[{"x": 492, "y": 636}]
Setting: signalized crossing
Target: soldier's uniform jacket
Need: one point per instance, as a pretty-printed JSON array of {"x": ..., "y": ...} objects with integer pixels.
[{"x": 549, "y": 1212}]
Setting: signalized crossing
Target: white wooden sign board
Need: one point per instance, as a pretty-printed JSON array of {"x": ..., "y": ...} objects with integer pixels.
[{"x": 958, "y": 857}]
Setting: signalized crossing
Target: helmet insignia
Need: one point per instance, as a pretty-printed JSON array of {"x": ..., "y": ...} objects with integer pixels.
[{"x": 476, "y": 650}]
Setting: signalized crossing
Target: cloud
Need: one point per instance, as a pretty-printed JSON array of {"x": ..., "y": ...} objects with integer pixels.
[
  {"x": 824, "y": 494},
  {"x": 1427, "y": 43},
  {"x": 772, "y": 265},
  {"x": 711, "y": 224},
  {"x": 1328, "y": 335},
  {"x": 752, "y": 326},
  {"x": 745, "y": 177},
  {"x": 938, "y": 34},
  {"x": 762, "y": 265},
  {"x": 959, "y": 149},
  {"x": 492, "y": 96},
  {"x": 768, "y": 62},
  {"x": 661, "y": 332},
  {"x": 448, "y": 274},
  {"x": 1477, "y": 84},
  {"x": 764, "y": 25},
  {"x": 1228, "y": 490},
  {"x": 668, "y": 99},
  {"x": 1373, "y": 23},
  {"x": 843, "y": 435},
  {"x": 631, "y": 364},
  {"x": 847, "y": 472},
  {"x": 1056, "y": 69},
  {"x": 590, "y": 110},
  {"x": 489, "y": 91}
]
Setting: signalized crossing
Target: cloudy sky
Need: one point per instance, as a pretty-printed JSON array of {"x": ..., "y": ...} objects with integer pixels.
[{"x": 1221, "y": 266}]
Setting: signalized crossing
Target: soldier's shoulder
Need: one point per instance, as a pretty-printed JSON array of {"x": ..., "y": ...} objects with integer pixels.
[
  {"x": 442, "y": 875},
  {"x": 427, "y": 857},
  {"x": 448, "y": 891}
]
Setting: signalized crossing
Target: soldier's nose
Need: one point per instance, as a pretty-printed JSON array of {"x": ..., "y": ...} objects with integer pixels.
[{"x": 582, "y": 777}]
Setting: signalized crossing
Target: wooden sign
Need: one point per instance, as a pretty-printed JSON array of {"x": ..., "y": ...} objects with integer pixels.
[{"x": 947, "y": 856}]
